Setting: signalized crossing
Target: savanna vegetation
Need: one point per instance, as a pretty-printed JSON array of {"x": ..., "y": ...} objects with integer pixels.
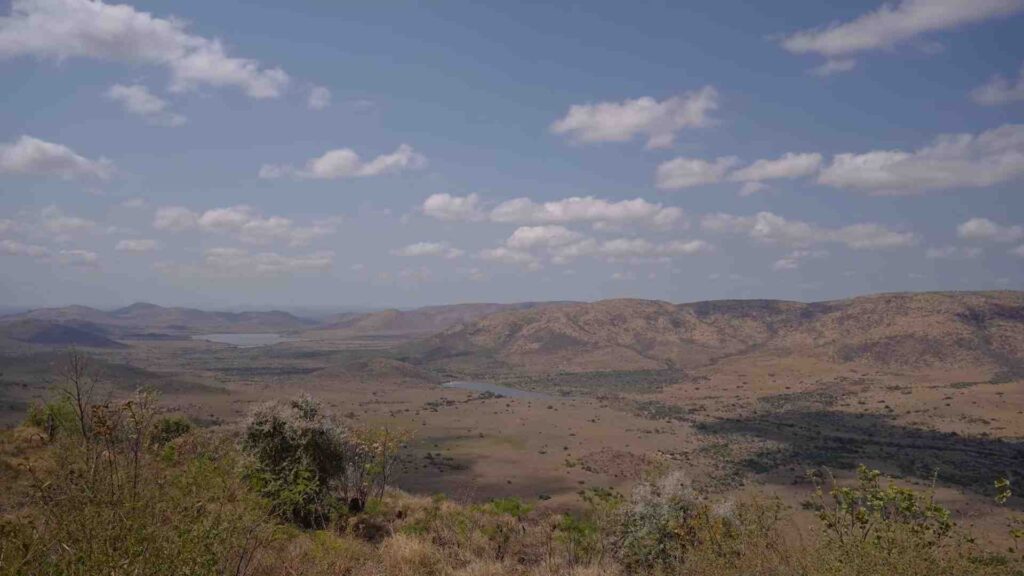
[{"x": 109, "y": 487}]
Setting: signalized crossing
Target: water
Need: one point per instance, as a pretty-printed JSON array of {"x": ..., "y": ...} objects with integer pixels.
[
  {"x": 495, "y": 389},
  {"x": 243, "y": 340}
]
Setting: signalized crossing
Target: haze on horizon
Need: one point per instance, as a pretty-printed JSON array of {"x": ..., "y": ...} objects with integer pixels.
[{"x": 251, "y": 154}]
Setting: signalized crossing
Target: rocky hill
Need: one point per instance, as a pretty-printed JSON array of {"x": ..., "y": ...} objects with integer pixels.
[
  {"x": 426, "y": 320},
  {"x": 920, "y": 329}
]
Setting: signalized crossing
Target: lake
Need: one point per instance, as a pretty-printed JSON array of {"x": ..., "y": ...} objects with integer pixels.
[
  {"x": 243, "y": 340},
  {"x": 496, "y": 389}
]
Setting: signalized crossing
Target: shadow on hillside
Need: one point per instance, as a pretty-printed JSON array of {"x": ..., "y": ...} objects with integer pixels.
[{"x": 836, "y": 439}]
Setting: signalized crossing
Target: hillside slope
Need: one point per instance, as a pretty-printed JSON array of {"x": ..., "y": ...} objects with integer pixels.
[
  {"x": 144, "y": 317},
  {"x": 924, "y": 329},
  {"x": 426, "y": 320}
]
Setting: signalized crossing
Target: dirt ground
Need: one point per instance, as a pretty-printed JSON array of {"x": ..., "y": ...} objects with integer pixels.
[{"x": 739, "y": 427}]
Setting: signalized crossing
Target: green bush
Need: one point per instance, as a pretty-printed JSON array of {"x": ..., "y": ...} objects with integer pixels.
[
  {"x": 300, "y": 460},
  {"x": 169, "y": 428},
  {"x": 57, "y": 417}
]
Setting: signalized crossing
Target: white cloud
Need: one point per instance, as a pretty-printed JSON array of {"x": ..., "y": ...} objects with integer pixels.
[
  {"x": 135, "y": 202},
  {"x": 138, "y": 100},
  {"x": 244, "y": 223},
  {"x": 79, "y": 258},
  {"x": 685, "y": 247},
  {"x": 440, "y": 249},
  {"x": 505, "y": 255},
  {"x": 985, "y": 229},
  {"x": 586, "y": 209},
  {"x": 62, "y": 226},
  {"x": 890, "y": 25},
  {"x": 61, "y": 29},
  {"x": 15, "y": 248},
  {"x": 771, "y": 228},
  {"x": 447, "y": 207},
  {"x": 751, "y": 188},
  {"x": 834, "y": 66},
  {"x": 30, "y": 155},
  {"x": 796, "y": 258},
  {"x": 526, "y": 237},
  {"x": 235, "y": 263},
  {"x": 319, "y": 98},
  {"x": 174, "y": 218},
  {"x": 1000, "y": 90},
  {"x": 952, "y": 252},
  {"x": 627, "y": 249},
  {"x": 137, "y": 245},
  {"x": 789, "y": 165},
  {"x": 346, "y": 163},
  {"x": 686, "y": 172},
  {"x": 951, "y": 161},
  {"x": 1018, "y": 251},
  {"x": 659, "y": 122}
]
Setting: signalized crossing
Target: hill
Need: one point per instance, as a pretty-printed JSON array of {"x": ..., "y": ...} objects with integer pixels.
[
  {"x": 144, "y": 317},
  {"x": 57, "y": 334},
  {"x": 897, "y": 330},
  {"x": 426, "y": 320}
]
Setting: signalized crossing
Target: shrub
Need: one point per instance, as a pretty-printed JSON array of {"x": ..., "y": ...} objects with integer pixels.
[
  {"x": 109, "y": 504},
  {"x": 310, "y": 467},
  {"x": 57, "y": 417},
  {"x": 169, "y": 428}
]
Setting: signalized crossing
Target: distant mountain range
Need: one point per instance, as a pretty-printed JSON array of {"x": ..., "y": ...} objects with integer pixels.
[{"x": 977, "y": 329}]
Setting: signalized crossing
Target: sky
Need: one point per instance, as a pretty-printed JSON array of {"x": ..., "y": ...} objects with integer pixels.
[{"x": 303, "y": 154}]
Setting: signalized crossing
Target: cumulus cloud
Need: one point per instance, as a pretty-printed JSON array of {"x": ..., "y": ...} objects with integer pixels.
[
  {"x": 439, "y": 249},
  {"x": 526, "y": 237},
  {"x": 62, "y": 29},
  {"x": 770, "y": 228},
  {"x": 243, "y": 262},
  {"x": 796, "y": 258},
  {"x": 28, "y": 155},
  {"x": 244, "y": 223},
  {"x": 62, "y": 226},
  {"x": 751, "y": 188},
  {"x": 627, "y": 249},
  {"x": 447, "y": 207},
  {"x": 319, "y": 98},
  {"x": 239, "y": 263},
  {"x": 952, "y": 252},
  {"x": 951, "y": 161},
  {"x": 79, "y": 258},
  {"x": 834, "y": 66},
  {"x": 137, "y": 245},
  {"x": 985, "y": 229},
  {"x": 586, "y": 209},
  {"x": 659, "y": 122},
  {"x": 890, "y": 25},
  {"x": 505, "y": 255},
  {"x": 686, "y": 172},
  {"x": 174, "y": 218},
  {"x": 346, "y": 163},
  {"x": 138, "y": 100},
  {"x": 1000, "y": 90},
  {"x": 15, "y": 248},
  {"x": 788, "y": 166}
]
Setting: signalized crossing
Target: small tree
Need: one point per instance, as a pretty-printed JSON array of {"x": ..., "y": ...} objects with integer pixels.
[
  {"x": 887, "y": 518},
  {"x": 310, "y": 467}
]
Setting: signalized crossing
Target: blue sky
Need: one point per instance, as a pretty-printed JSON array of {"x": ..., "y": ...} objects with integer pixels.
[{"x": 388, "y": 153}]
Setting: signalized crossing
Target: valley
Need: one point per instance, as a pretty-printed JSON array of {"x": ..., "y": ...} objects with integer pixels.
[{"x": 740, "y": 396}]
